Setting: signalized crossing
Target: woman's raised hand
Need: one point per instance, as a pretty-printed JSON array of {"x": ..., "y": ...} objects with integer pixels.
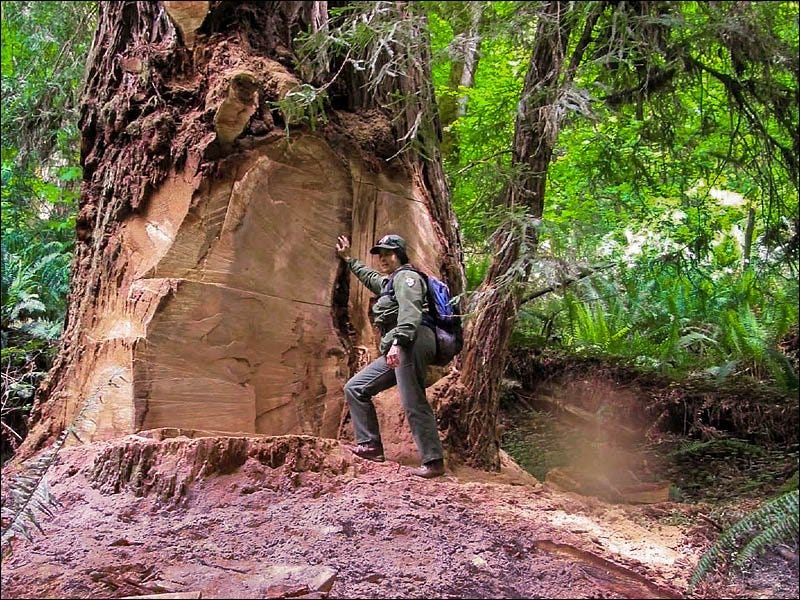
[{"x": 343, "y": 247}]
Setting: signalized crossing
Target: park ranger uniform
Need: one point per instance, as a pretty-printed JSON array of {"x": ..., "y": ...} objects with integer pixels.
[{"x": 398, "y": 316}]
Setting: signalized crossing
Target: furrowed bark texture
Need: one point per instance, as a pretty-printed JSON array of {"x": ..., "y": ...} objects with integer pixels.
[{"x": 206, "y": 288}]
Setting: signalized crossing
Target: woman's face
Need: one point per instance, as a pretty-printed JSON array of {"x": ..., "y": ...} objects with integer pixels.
[{"x": 388, "y": 261}]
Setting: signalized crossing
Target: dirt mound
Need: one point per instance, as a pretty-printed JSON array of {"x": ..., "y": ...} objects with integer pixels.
[{"x": 298, "y": 516}]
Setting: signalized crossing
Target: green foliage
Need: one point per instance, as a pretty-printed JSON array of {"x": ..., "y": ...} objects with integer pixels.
[
  {"x": 480, "y": 167},
  {"x": 679, "y": 174},
  {"x": 382, "y": 43},
  {"x": 35, "y": 282},
  {"x": 774, "y": 522},
  {"x": 672, "y": 323},
  {"x": 303, "y": 105},
  {"x": 34, "y": 292},
  {"x": 34, "y": 285},
  {"x": 670, "y": 183},
  {"x": 475, "y": 270},
  {"x": 44, "y": 45}
]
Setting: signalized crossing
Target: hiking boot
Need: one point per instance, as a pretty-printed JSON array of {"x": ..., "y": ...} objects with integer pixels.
[
  {"x": 373, "y": 452},
  {"x": 432, "y": 469}
]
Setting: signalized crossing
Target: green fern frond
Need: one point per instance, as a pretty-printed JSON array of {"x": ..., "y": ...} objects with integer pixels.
[
  {"x": 28, "y": 303},
  {"x": 29, "y": 494},
  {"x": 774, "y": 534},
  {"x": 42, "y": 329},
  {"x": 304, "y": 103},
  {"x": 775, "y": 521}
]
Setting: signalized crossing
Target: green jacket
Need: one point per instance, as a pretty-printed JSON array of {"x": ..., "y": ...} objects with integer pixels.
[{"x": 397, "y": 316}]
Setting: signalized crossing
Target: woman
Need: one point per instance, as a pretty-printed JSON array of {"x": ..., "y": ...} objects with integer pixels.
[{"x": 407, "y": 347}]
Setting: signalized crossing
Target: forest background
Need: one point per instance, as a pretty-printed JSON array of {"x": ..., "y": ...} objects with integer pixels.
[{"x": 668, "y": 236}]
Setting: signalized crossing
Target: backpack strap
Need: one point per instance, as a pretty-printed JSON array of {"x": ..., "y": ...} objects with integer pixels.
[
  {"x": 388, "y": 290},
  {"x": 388, "y": 287}
]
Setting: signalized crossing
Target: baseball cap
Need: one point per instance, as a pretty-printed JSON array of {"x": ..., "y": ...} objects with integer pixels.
[{"x": 389, "y": 242}]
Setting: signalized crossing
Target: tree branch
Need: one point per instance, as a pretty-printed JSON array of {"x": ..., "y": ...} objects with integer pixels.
[
  {"x": 586, "y": 272},
  {"x": 653, "y": 83},
  {"x": 737, "y": 91},
  {"x": 583, "y": 42}
]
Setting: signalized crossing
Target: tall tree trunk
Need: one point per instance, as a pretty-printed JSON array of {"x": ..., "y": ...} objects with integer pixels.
[
  {"x": 470, "y": 409},
  {"x": 467, "y": 18},
  {"x": 206, "y": 293},
  {"x": 471, "y": 50}
]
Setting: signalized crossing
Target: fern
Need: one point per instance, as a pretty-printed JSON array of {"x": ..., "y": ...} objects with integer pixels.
[
  {"x": 682, "y": 325},
  {"x": 42, "y": 330},
  {"x": 28, "y": 304},
  {"x": 775, "y": 521},
  {"x": 750, "y": 337},
  {"x": 35, "y": 281},
  {"x": 774, "y": 533},
  {"x": 29, "y": 492}
]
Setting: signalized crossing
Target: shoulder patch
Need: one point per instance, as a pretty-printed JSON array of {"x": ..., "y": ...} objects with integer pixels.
[{"x": 410, "y": 281}]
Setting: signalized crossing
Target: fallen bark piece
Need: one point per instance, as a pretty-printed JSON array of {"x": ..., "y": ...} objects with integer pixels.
[
  {"x": 168, "y": 596},
  {"x": 286, "y": 591},
  {"x": 645, "y": 493},
  {"x": 593, "y": 484},
  {"x": 614, "y": 577},
  {"x": 317, "y": 579},
  {"x": 222, "y": 578}
]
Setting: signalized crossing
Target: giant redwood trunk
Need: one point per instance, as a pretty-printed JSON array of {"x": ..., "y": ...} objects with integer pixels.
[{"x": 206, "y": 293}]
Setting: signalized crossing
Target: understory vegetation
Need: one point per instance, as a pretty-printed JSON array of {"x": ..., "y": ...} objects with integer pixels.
[
  {"x": 45, "y": 46},
  {"x": 675, "y": 217},
  {"x": 668, "y": 241}
]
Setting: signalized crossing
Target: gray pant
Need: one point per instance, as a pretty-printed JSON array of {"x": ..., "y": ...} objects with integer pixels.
[{"x": 410, "y": 379}]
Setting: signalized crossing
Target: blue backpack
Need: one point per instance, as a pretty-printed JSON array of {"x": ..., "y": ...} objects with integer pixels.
[{"x": 440, "y": 317}]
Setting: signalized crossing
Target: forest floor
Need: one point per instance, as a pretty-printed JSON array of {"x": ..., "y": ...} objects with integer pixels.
[{"x": 297, "y": 516}]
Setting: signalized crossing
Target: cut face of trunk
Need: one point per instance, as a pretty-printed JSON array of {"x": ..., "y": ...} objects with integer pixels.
[
  {"x": 225, "y": 317},
  {"x": 243, "y": 339},
  {"x": 206, "y": 290}
]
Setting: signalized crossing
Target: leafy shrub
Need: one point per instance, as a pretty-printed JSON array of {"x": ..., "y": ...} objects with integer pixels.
[{"x": 34, "y": 288}]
